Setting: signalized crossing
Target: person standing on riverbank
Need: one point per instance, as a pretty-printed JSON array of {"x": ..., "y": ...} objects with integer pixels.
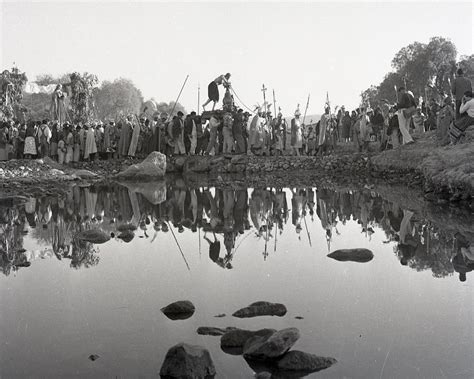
[
  {"x": 406, "y": 107},
  {"x": 465, "y": 120},
  {"x": 296, "y": 133},
  {"x": 459, "y": 87}
]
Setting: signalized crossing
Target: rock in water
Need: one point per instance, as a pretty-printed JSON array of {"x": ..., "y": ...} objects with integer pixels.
[
  {"x": 185, "y": 361},
  {"x": 272, "y": 347},
  {"x": 179, "y": 310},
  {"x": 238, "y": 337},
  {"x": 96, "y": 236},
  {"x": 152, "y": 167},
  {"x": 261, "y": 308},
  {"x": 213, "y": 331},
  {"x": 353, "y": 255},
  {"x": 304, "y": 362}
]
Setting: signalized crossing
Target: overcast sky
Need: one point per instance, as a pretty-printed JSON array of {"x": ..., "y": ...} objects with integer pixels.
[{"x": 294, "y": 48}]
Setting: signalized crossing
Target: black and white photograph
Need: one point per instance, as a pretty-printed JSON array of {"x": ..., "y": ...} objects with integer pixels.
[{"x": 237, "y": 189}]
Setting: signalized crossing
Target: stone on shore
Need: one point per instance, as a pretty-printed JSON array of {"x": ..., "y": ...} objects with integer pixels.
[
  {"x": 271, "y": 347},
  {"x": 304, "y": 362},
  {"x": 152, "y": 167},
  {"x": 353, "y": 255},
  {"x": 185, "y": 361},
  {"x": 179, "y": 310},
  {"x": 95, "y": 236},
  {"x": 261, "y": 308}
]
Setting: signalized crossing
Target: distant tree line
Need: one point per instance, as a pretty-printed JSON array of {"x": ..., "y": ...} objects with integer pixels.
[
  {"x": 425, "y": 69},
  {"x": 107, "y": 101}
]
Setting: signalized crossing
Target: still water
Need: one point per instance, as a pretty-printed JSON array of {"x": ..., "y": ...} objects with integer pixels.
[{"x": 408, "y": 313}]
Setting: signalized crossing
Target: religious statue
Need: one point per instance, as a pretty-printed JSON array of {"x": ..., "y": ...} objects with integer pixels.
[{"x": 58, "y": 108}]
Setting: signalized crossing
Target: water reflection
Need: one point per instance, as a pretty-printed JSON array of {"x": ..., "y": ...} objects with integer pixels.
[{"x": 223, "y": 217}]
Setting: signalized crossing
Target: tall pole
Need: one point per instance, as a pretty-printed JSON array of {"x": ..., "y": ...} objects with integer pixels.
[
  {"x": 264, "y": 98},
  {"x": 307, "y": 104},
  {"x": 274, "y": 104},
  {"x": 199, "y": 97},
  {"x": 181, "y": 90}
]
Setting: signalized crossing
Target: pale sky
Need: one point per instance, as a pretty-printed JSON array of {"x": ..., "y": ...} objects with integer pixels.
[{"x": 294, "y": 48}]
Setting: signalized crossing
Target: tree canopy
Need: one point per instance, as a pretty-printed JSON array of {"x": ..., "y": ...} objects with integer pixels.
[
  {"x": 119, "y": 97},
  {"x": 425, "y": 69}
]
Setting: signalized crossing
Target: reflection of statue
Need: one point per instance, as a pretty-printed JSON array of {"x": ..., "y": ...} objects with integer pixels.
[{"x": 58, "y": 109}]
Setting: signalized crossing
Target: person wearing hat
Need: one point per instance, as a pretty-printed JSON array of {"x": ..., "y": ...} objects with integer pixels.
[
  {"x": 213, "y": 89},
  {"x": 296, "y": 133},
  {"x": 459, "y": 86}
]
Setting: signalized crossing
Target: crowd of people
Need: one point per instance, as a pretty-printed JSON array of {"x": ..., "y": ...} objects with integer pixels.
[
  {"x": 233, "y": 131},
  {"x": 224, "y": 217}
]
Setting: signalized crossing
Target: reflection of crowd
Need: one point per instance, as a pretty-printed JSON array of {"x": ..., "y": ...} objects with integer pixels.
[{"x": 225, "y": 216}]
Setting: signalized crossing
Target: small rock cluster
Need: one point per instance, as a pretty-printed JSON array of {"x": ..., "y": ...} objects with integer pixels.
[{"x": 267, "y": 351}]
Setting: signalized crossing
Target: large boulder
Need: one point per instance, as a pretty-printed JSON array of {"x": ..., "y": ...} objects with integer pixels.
[
  {"x": 271, "y": 347},
  {"x": 179, "y": 310},
  {"x": 185, "y": 361},
  {"x": 353, "y": 255},
  {"x": 152, "y": 167},
  {"x": 95, "y": 236},
  {"x": 261, "y": 308},
  {"x": 304, "y": 362}
]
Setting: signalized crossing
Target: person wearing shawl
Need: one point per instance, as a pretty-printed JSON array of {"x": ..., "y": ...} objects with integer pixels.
[
  {"x": 346, "y": 127},
  {"x": 466, "y": 118},
  {"x": 108, "y": 139},
  {"x": 77, "y": 144},
  {"x": 213, "y": 89},
  {"x": 125, "y": 137},
  {"x": 61, "y": 148},
  {"x": 132, "y": 149},
  {"x": 446, "y": 115},
  {"x": 296, "y": 133},
  {"x": 69, "y": 146},
  {"x": 90, "y": 145},
  {"x": 30, "y": 141},
  {"x": 323, "y": 125}
]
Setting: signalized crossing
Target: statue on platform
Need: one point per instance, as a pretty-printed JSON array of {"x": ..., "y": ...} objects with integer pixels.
[{"x": 58, "y": 108}]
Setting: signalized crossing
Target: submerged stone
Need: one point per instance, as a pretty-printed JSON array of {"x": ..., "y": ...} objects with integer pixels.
[
  {"x": 300, "y": 361},
  {"x": 179, "y": 310},
  {"x": 261, "y": 308},
  {"x": 213, "y": 331},
  {"x": 233, "y": 341},
  {"x": 353, "y": 255},
  {"x": 126, "y": 236},
  {"x": 185, "y": 361},
  {"x": 271, "y": 347}
]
